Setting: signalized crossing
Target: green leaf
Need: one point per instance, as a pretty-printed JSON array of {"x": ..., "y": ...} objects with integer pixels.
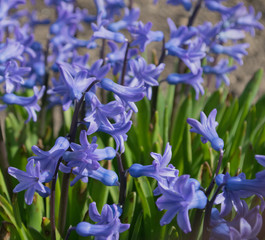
[
  {"x": 128, "y": 213},
  {"x": 136, "y": 230},
  {"x": 35, "y": 212},
  {"x": 251, "y": 89},
  {"x": 179, "y": 124},
  {"x": 148, "y": 205}
]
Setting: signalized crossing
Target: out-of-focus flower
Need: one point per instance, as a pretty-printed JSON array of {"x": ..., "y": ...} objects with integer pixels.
[
  {"x": 32, "y": 180},
  {"x": 143, "y": 35},
  {"x": 114, "y": 7},
  {"x": 108, "y": 224},
  {"x": 129, "y": 19},
  {"x": 236, "y": 188},
  {"x": 101, "y": 32},
  {"x": 187, "y": 4},
  {"x": 29, "y": 103},
  {"x": 236, "y": 51},
  {"x": 207, "y": 129},
  {"x": 145, "y": 75},
  {"x": 219, "y": 227},
  {"x": 74, "y": 84},
  {"x": 11, "y": 50},
  {"x": 195, "y": 80},
  {"x": 220, "y": 71},
  {"x": 12, "y": 75},
  {"x": 246, "y": 224},
  {"x": 214, "y": 5},
  {"x": 116, "y": 56}
]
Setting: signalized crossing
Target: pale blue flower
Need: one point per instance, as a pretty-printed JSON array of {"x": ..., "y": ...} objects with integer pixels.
[{"x": 207, "y": 129}]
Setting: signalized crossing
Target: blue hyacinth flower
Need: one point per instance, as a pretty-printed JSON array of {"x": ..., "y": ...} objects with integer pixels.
[
  {"x": 29, "y": 103},
  {"x": 48, "y": 159},
  {"x": 12, "y": 75},
  {"x": 143, "y": 35},
  {"x": 220, "y": 71},
  {"x": 187, "y": 4},
  {"x": 32, "y": 180},
  {"x": 207, "y": 129},
  {"x": 108, "y": 224},
  {"x": 129, "y": 19},
  {"x": 195, "y": 80},
  {"x": 237, "y": 51},
  {"x": 11, "y": 50},
  {"x": 86, "y": 155},
  {"x": 127, "y": 95},
  {"x": 116, "y": 56},
  {"x": 159, "y": 169},
  {"x": 107, "y": 177},
  {"x": 100, "y": 114},
  {"x": 178, "y": 197}
]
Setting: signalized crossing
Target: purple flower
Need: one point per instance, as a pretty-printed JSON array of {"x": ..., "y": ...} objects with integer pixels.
[
  {"x": 247, "y": 20},
  {"x": 187, "y": 4},
  {"x": 214, "y": 5},
  {"x": 246, "y": 224},
  {"x": 107, "y": 177},
  {"x": 236, "y": 51},
  {"x": 207, "y": 129},
  {"x": 145, "y": 75},
  {"x": 178, "y": 36},
  {"x": 48, "y": 159},
  {"x": 177, "y": 198},
  {"x": 98, "y": 70},
  {"x": 195, "y": 80},
  {"x": 101, "y": 32},
  {"x": 236, "y": 188},
  {"x": 113, "y": 7},
  {"x": 29, "y": 103},
  {"x": 129, "y": 19},
  {"x": 127, "y": 95},
  {"x": 6, "y": 5},
  {"x": 108, "y": 224},
  {"x": 219, "y": 227},
  {"x": 100, "y": 5},
  {"x": 116, "y": 56},
  {"x": 118, "y": 130},
  {"x": 86, "y": 155},
  {"x": 220, "y": 71},
  {"x": 99, "y": 114},
  {"x": 68, "y": 17},
  {"x": 191, "y": 57},
  {"x": 12, "y": 75},
  {"x": 260, "y": 159},
  {"x": 31, "y": 180},
  {"x": 73, "y": 84},
  {"x": 143, "y": 35},
  {"x": 11, "y": 50},
  {"x": 159, "y": 169}
]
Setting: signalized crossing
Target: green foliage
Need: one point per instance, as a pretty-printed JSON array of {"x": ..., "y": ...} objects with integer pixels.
[{"x": 241, "y": 126}]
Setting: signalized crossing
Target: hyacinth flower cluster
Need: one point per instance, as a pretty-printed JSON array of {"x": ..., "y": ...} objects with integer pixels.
[
  {"x": 103, "y": 97},
  {"x": 179, "y": 194}
]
